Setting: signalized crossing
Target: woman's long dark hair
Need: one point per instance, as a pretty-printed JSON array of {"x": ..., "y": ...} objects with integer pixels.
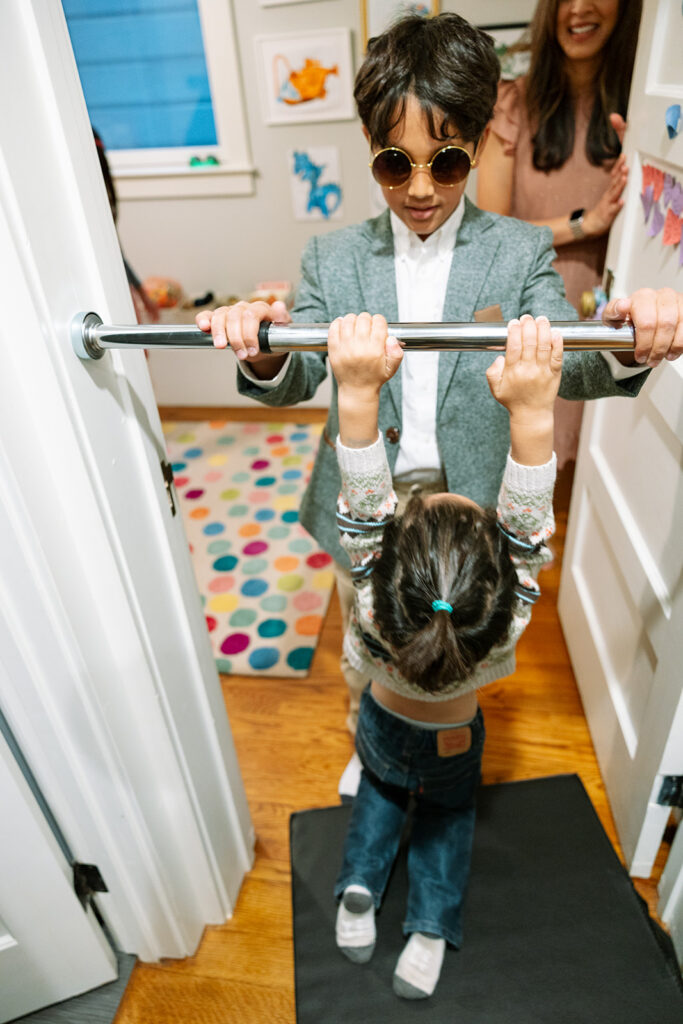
[
  {"x": 443, "y": 551},
  {"x": 549, "y": 102}
]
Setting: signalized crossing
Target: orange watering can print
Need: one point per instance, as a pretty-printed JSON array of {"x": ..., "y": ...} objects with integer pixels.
[{"x": 303, "y": 85}]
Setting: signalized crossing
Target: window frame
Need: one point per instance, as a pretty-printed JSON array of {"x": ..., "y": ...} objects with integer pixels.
[{"x": 166, "y": 172}]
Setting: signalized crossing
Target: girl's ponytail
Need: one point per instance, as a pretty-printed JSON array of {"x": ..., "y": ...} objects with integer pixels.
[{"x": 440, "y": 556}]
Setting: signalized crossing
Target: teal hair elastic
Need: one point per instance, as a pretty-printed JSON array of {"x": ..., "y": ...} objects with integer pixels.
[{"x": 442, "y": 606}]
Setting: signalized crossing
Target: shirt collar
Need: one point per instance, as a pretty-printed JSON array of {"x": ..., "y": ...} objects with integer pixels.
[{"x": 440, "y": 243}]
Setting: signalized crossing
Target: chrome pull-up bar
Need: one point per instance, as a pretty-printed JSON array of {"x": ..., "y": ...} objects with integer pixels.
[{"x": 91, "y": 338}]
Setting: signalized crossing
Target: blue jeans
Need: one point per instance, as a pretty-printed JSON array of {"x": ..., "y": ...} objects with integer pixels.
[{"x": 400, "y": 760}]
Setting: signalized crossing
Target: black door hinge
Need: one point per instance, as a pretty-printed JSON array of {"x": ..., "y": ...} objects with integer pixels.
[
  {"x": 87, "y": 881},
  {"x": 671, "y": 793},
  {"x": 167, "y": 472}
]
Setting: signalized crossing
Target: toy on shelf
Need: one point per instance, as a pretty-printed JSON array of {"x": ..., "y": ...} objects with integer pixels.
[
  {"x": 273, "y": 291},
  {"x": 166, "y": 292}
]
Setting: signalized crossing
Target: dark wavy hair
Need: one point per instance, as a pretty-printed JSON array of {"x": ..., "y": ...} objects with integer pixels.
[
  {"x": 446, "y": 63},
  {"x": 449, "y": 552},
  {"x": 548, "y": 96}
]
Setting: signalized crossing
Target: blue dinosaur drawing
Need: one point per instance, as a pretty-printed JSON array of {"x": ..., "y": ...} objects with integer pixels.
[{"x": 325, "y": 198}]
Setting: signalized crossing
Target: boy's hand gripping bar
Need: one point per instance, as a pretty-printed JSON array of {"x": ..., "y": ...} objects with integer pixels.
[{"x": 91, "y": 338}]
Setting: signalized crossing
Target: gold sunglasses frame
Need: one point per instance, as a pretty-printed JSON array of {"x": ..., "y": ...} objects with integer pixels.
[{"x": 428, "y": 167}]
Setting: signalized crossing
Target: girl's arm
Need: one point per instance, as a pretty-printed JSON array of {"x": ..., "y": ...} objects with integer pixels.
[
  {"x": 526, "y": 381},
  {"x": 363, "y": 358}
]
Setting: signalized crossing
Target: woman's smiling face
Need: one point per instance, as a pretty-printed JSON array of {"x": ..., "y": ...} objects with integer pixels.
[{"x": 584, "y": 26}]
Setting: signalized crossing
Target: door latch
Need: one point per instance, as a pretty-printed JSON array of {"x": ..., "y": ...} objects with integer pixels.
[
  {"x": 671, "y": 792},
  {"x": 167, "y": 473}
]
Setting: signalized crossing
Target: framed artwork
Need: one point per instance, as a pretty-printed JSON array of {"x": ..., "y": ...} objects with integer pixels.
[
  {"x": 315, "y": 183},
  {"x": 306, "y": 76},
  {"x": 376, "y": 15},
  {"x": 281, "y": 3},
  {"x": 512, "y": 42}
]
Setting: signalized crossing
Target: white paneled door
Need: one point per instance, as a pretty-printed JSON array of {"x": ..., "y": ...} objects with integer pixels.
[
  {"x": 107, "y": 679},
  {"x": 621, "y": 598},
  {"x": 50, "y": 946}
]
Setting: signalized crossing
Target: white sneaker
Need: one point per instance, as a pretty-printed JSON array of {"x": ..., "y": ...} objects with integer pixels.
[
  {"x": 419, "y": 966},
  {"x": 356, "y": 934},
  {"x": 350, "y": 779}
]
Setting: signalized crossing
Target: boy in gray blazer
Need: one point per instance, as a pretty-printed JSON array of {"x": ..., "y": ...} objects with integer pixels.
[{"x": 425, "y": 94}]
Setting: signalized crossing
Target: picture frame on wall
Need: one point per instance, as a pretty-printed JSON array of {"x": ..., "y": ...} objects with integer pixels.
[
  {"x": 377, "y": 15},
  {"x": 315, "y": 181},
  {"x": 306, "y": 76},
  {"x": 513, "y": 46},
  {"x": 281, "y": 3}
]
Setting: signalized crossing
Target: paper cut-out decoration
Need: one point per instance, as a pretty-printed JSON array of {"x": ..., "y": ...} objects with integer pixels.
[
  {"x": 676, "y": 200},
  {"x": 657, "y": 221},
  {"x": 672, "y": 119},
  {"x": 669, "y": 182},
  {"x": 653, "y": 176},
  {"x": 646, "y": 198},
  {"x": 672, "y": 229}
]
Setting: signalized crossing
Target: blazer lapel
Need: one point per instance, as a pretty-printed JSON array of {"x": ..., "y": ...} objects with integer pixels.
[
  {"x": 378, "y": 284},
  {"x": 474, "y": 252}
]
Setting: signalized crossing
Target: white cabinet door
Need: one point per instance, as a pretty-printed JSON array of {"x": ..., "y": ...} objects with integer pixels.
[
  {"x": 621, "y": 601},
  {"x": 50, "y": 947}
]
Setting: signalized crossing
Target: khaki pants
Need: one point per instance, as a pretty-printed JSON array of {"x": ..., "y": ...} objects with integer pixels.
[{"x": 356, "y": 681}]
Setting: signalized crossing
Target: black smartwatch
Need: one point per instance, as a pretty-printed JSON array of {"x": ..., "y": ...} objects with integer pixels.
[{"x": 576, "y": 224}]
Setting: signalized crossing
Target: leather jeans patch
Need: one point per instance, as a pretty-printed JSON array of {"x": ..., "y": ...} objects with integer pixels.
[{"x": 450, "y": 742}]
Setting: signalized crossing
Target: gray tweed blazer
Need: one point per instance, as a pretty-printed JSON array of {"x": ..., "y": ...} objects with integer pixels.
[{"x": 497, "y": 261}]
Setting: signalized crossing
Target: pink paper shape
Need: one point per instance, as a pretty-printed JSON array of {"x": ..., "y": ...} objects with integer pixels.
[
  {"x": 658, "y": 181},
  {"x": 657, "y": 222},
  {"x": 672, "y": 229},
  {"x": 647, "y": 170},
  {"x": 646, "y": 198}
]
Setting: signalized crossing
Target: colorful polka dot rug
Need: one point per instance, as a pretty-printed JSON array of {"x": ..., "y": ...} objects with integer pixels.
[{"x": 264, "y": 583}]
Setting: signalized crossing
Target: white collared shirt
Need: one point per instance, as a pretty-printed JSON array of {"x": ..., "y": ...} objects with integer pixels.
[{"x": 422, "y": 270}]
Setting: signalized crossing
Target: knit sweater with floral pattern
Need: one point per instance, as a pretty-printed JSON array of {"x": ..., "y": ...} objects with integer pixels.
[{"x": 366, "y": 504}]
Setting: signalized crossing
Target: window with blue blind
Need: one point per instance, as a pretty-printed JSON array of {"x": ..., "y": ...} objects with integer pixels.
[{"x": 143, "y": 71}]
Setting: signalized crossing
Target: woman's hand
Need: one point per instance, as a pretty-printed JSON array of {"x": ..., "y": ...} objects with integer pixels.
[
  {"x": 237, "y": 326},
  {"x": 599, "y": 220},
  {"x": 657, "y": 317},
  {"x": 526, "y": 381},
  {"x": 619, "y": 125}
]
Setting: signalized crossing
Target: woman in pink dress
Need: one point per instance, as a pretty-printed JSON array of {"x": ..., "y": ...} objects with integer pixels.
[{"x": 553, "y": 153}]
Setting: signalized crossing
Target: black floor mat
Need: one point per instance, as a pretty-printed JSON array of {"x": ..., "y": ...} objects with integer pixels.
[{"x": 554, "y": 930}]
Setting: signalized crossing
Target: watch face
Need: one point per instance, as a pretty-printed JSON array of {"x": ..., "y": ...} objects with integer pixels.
[{"x": 577, "y": 215}]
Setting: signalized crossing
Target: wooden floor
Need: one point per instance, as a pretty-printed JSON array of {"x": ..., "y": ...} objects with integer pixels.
[{"x": 292, "y": 746}]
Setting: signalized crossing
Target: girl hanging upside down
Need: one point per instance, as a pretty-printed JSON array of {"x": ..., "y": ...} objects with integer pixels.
[{"x": 442, "y": 594}]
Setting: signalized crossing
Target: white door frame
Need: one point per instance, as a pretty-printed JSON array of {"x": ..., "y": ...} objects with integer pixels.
[{"x": 113, "y": 693}]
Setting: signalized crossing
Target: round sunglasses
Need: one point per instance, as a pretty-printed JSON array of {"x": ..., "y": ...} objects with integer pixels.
[{"x": 392, "y": 167}]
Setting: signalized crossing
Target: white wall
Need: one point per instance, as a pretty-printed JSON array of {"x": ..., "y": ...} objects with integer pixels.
[{"x": 226, "y": 244}]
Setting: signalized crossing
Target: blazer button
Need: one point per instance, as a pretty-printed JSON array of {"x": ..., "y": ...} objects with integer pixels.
[{"x": 393, "y": 434}]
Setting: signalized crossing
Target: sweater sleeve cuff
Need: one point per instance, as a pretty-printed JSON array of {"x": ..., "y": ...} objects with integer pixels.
[
  {"x": 361, "y": 460},
  {"x": 534, "y": 479}
]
